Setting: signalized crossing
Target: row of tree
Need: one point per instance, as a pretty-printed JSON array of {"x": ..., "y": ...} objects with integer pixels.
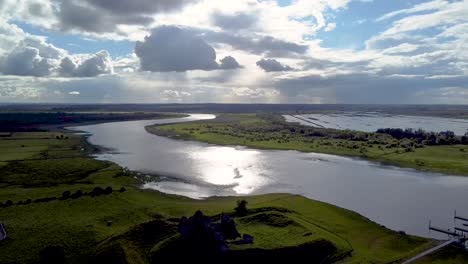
[
  {"x": 427, "y": 138},
  {"x": 97, "y": 191}
]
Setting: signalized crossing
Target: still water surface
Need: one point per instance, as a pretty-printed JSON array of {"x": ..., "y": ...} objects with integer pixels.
[
  {"x": 370, "y": 122},
  {"x": 401, "y": 199}
]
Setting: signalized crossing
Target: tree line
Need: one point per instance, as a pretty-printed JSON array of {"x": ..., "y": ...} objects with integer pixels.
[{"x": 426, "y": 138}]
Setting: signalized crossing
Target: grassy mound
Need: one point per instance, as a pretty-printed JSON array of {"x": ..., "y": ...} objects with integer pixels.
[{"x": 33, "y": 173}]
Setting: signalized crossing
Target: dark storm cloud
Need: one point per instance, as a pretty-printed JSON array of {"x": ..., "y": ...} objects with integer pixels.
[
  {"x": 271, "y": 65},
  {"x": 170, "y": 48},
  {"x": 234, "y": 22}
]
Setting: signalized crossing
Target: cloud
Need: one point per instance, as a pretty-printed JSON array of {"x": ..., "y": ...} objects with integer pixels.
[
  {"x": 78, "y": 16},
  {"x": 330, "y": 27},
  {"x": 139, "y": 6},
  {"x": 365, "y": 88},
  {"x": 89, "y": 16},
  {"x": 445, "y": 14},
  {"x": 272, "y": 65},
  {"x": 170, "y": 48},
  {"x": 24, "y": 54},
  {"x": 417, "y": 53},
  {"x": 94, "y": 65},
  {"x": 234, "y": 22},
  {"x": 402, "y": 48},
  {"x": 427, "y": 6},
  {"x": 260, "y": 45},
  {"x": 229, "y": 63},
  {"x": 26, "y": 61},
  {"x": 67, "y": 67}
]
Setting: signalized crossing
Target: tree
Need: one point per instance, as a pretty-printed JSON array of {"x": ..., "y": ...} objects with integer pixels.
[
  {"x": 66, "y": 195},
  {"x": 241, "y": 208},
  {"x": 108, "y": 190},
  {"x": 77, "y": 194},
  {"x": 96, "y": 191},
  {"x": 53, "y": 255},
  {"x": 464, "y": 139}
]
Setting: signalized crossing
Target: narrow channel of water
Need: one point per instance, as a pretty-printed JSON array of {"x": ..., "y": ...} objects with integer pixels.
[{"x": 401, "y": 199}]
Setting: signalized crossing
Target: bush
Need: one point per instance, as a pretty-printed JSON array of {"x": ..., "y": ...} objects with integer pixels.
[
  {"x": 1, "y": 205},
  {"x": 53, "y": 255},
  {"x": 122, "y": 189},
  {"x": 8, "y": 203},
  {"x": 77, "y": 194},
  {"x": 96, "y": 191},
  {"x": 241, "y": 208},
  {"x": 28, "y": 201},
  {"x": 45, "y": 200},
  {"x": 108, "y": 190},
  {"x": 66, "y": 195}
]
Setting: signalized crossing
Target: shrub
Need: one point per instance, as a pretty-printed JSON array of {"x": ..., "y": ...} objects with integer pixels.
[
  {"x": 241, "y": 208},
  {"x": 122, "y": 189},
  {"x": 8, "y": 203},
  {"x": 96, "y": 191},
  {"x": 28, "y": 201},
  {"x": 1, "y": 205},
  {"x": 77, "y": 194},
  {"x": 66, "y": 195},
  {"x": 52, "y": 255},
  {"x": 108, "y": 190},
  {"x": 45, "y": 200}
]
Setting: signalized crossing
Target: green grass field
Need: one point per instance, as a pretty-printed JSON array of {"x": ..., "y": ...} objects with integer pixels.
[
  {"x": 80, "y": 226},
  {"x": 243, "y": 129}
]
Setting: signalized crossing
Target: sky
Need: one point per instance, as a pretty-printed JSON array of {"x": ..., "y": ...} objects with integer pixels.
[{"x": 243, "y": 51}]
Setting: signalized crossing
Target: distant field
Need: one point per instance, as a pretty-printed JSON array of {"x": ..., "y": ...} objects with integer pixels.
[
  {"x": 80, "y": 227},
  {"x": 258, "y": 131},
  {"x": 29, "y": 121},
  {"x": 450, "y": 111}
]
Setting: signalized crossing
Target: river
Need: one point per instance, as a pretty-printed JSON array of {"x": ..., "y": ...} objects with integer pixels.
[{"x": 398, "y": 198}]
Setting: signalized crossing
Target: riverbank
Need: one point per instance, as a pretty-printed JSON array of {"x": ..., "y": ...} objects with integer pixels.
[
  {"x": 57, "y": 121},
  {"x": 80, "y": 225},
  {"x": 268, "y": 132}
]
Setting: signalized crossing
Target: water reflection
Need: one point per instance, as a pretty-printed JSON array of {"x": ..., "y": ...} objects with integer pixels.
[{"x": 241, "y": 169}]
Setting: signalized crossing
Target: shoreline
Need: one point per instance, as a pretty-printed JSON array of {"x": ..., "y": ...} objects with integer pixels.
[
  {"x": 153, "y": 129},
  {"x": 139, "y": 175},
  {"x": 142, "y": 176},
  {"x": 328, "y": 208}
]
